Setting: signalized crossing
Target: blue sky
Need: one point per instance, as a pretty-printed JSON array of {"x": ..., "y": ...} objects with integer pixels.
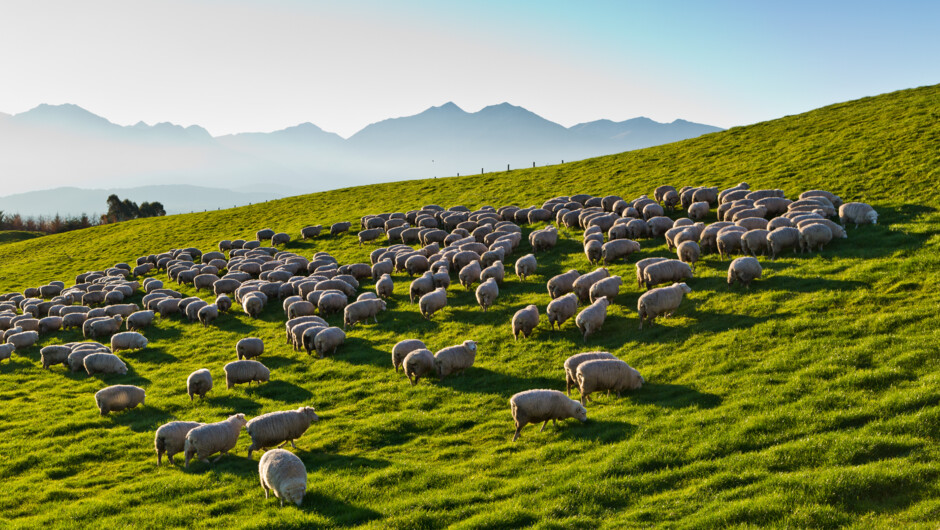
[{"x": 235, "y": 66}]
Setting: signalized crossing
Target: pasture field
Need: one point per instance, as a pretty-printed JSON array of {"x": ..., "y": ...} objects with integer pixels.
[{"x": 810, "y": 400}]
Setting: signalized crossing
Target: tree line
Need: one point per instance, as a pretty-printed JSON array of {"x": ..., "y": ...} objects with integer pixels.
[{"x": 118, "y": 210}]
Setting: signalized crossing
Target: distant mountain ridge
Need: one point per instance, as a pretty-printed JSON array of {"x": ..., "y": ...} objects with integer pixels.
[{"x": 65, "y": 145}]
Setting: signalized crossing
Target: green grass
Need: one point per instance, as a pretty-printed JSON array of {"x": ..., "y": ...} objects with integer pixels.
[
  {"x": 811, "y": 400},
  {"x": 12, "y": 236}
]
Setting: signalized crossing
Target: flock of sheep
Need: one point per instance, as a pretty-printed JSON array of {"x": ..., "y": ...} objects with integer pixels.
[{"x": 475, "y": 245}]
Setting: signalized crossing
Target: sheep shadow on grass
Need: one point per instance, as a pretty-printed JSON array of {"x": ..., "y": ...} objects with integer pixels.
[
  {"x": 279, "y": 390},
  {"x": 594, "y": 430},
  {"x": 142, "y": 418},
  {"x": 150, "y": 355},
  {"x": 11, "y": 365},
  {"x": 674, "y": 396},
  {"x": 360, "y": 351},
  {"x": 233, "y": 404},
  {"x": 485, "y": 381},
  {"x": 340, "y": 513}
]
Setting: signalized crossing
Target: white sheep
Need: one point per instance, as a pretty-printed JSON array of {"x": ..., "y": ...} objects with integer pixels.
[
  {"x": 417, "y": 363},
  {"x": 618, "y": 249},
  {"x": 432, "y": 302},
  {"x": 119, "y": 397},
  {"x": 670, "y": 270},
  {"x": 104, "y": 363},
  {"x": 401, "y": 349},
  {"x": 384, "y": 286},
  {"x": 281, "y": 427},
  {"x": 237, "y": 372},
  {"x": 23, "y": 339},
  {"x": 128, "y": 340},
  {"x": 524, "y": 321},
  {"x": 219, "y": 437},
  {"x": 609, "y": 287},
  {"x": 285, "y": 474},
  {"x": 486, "y": 293},
  {"x": 661, "y": 301},
  {"x": 561, "y": 309},
  {"x": 540, "y": 405},
  {"x": 688, "y": 253},
  {"x": 744, "y": 270},
  {"x": 781, "y": 239},
  {"x": 525, "y": 266},
  {"x": 582, "y": 285},
  {"x": 813, "y": 236},
  {"x": 199, "y": 382},
  {"x": 591, "y": 318},
  {"x": 562, "y": 283},
  {"x": 6, "y": 351},
  {"x": 496, "y": 271},
  {"x": 572, "y": 363},
  {"x": 249, "y": 348},
  {"x": 455, "y": 359},
  {"x": 139, "y": 320},
  {"x": 698, "y": 210},
  {"x": 421, "y": 286},
  {"x": 606, "y": 374},
  {"x": 363, "y": 310},
  {"x": 207, "y": 314},
  {"x": 329, "y": 340},
  {"x": 171, "y": 438},
  {"x": 470, "y": 274}
]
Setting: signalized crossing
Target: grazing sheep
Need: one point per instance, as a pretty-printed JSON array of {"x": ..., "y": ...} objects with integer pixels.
[
  {"x": 280, "y": 239},
  {"x": 606, "y": 374},
  {"x": 331, "y": 302},
  {"x": 813, "y": 236},
  {"x": 93, "y": 328},
  {"x": 593, "y": 249},
  {"x": 744, "y": 270},
  {"x": 533, "y": 406},
  {"x": 781, "y": 239},
  {"x": 561, "y": 309},
  {"x": 572, "y": 363},
  {"x": 421, "y": 286},
  {"x": 418, "y": 363},
  {"x": 582, "y": 285},
  {"x": 618, "y": 249},
  {"x": 253, "y": 305},
  {"x": 281, "y": 427},
  {"x": 224, "y": 303},
  {"x": 370, "y": 235},
  {"x": 487, "y": 293},
  {"x": 698, "y": 210},
  {"x": 119, "y": 397},
  {"x": 171, "y": 438},
  {"x": 329, "y": 340},
  {"x": 524, "y": 321},
  {"x": 609, "y": 287},
  {"x": 128, "y": 340},
  {"x": 50, "y": 355},
  {"x": 283, "y": 472},
  {"x": 670, "y": 270},
  {"x": 207, "y": 314},
  {"x": 339, "y": 228},
  {"x": 249, "y": 348},
  {"x": 237, "y": 372},
  {"x": 309, "y": 232},
  {"x": 139, "y": 320},
  {"x": 495, "y": 271},
  {"x": 220, "y": 437},
  {"x": 403, "y": 348},
  {"x": 754, "y": 242},
  {"x": 432, "y": 302},
  {"x": 363, "y": 310},
  {"x": 199, "y": 382},
  {"x": 661, "y": 301},
  {"x": 591, "y": 318},
  {"x": 48, "y": 324},
  {"x": 525, "y": 266},
  {"x": 469, "y": 274},
  {"x": 455, "y": 359},
  {"x": 562, "y": 283},
  {"x": 689, "y": 252},
  {"x": 6, "y": 351},
  {"x": 384, "y": 286},
  {"x": 104, "y": 363},
  {"x": 23, "y": 339},
  {"x": 729, "y": 241}
]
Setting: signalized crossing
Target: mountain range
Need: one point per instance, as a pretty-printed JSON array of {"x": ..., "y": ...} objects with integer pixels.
[{"x": 54, "y": 146}]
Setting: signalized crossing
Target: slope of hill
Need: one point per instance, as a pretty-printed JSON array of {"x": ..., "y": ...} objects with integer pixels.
[{"x": 810, "y": 400}]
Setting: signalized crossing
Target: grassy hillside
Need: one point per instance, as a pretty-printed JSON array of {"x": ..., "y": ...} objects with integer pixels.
[
  {"x": 12, "y": 236},
  {"x": 811, "y": 400}
]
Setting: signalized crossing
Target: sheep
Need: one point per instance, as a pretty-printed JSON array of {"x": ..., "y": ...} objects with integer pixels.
[
  {"x": 618, "y": 249},
  {"x": 300, "y": 308},
  {"x": 48, "y": 324},
  {"x": 670, "y": 270},
  {"x": 219, "y": 437},
  {"x": 591, "y": 318},
  {"x": 729, "y": 241},
  {"x": 689, "y": 252},
  {"x": 561, "y": 309},
  {"x": 283, "y": 472},
  {"x": 524, "y": 321},
  {"x": 339, "y": 228},
  {"x": 385, "y": 286},
  {"x": 572, "y": 363},
  {"x": 104, "y": 363},
  {"x": 309, "y": 232},
  {"x": 329, "y": 340},
  {"x": 331, "y": 302},
  {"x": 421, "y": 286},
  {"x": 495, "y": 271},
  {"x": 171, "y": 438},
  {"x": 609, "y": 287},
  {"x": 698, "y": 210},
  {"x": 744, "y": 270},
  {"x": 533, "y": 406},
  {"x": 544, "y": 239},
  {"x": 641, "y": 267},
  {"x": 119, "y": 397},
  {"x": 99, "y": 328},
  {"x": 582, "y": 285},
  {"x": 199, "y": 382},
  {"x": 363, "y": 310},
  {"x": 207, "y": 314},
  {"x": 417, "y": 364},
  {"x": 73, "y": 320},
  {"x": 814, "y": 235},
  {"x": 432, "y": 302},
  {"x": 128, "y": 340},
  {"x": 281, "y": 427},
  {"x": 754, "y": 242},
  {"x": 834, "y": 199},
  {"x": 6, "y": 351},
  {"x": 224, "y": 303},
  {"x": 455, "y": 359},
  {"x": 280, "y": 239},
  {"x": 237, "y": 372},
  {"x": 369, "y": 235},
  {"x": 593, "y": 250},
  {"x": 781, "y": 239},
  {"x": 606, "y": 374},
  {"x": 51, "y": 355},
  {"x": 249, "y": 348},
  {"x": 23, "y": 339},
  {"x": 778, "y": 222},
  {"x": 139, "y": 320},
  {"x": 416, "y": 264},
  {"x": 525, "y": 266},
  {"x": 401, "y": 349},
  {"x": 469, "y": 274},
  {"x": 486, "y": 293},
  {"x": 661, "y": 301},
  {"x": 752, "y": 223},
  {"x": 562, "y": 283}
]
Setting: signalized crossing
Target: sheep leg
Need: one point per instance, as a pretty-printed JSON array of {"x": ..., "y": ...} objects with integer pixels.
[
  {"x": 216, "y": 458},
  {"x": 518, "y": 430},
  {"x": 543, "y": 426}
]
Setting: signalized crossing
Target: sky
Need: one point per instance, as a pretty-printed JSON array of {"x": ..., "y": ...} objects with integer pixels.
[{"x": 237, "y": 65}]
